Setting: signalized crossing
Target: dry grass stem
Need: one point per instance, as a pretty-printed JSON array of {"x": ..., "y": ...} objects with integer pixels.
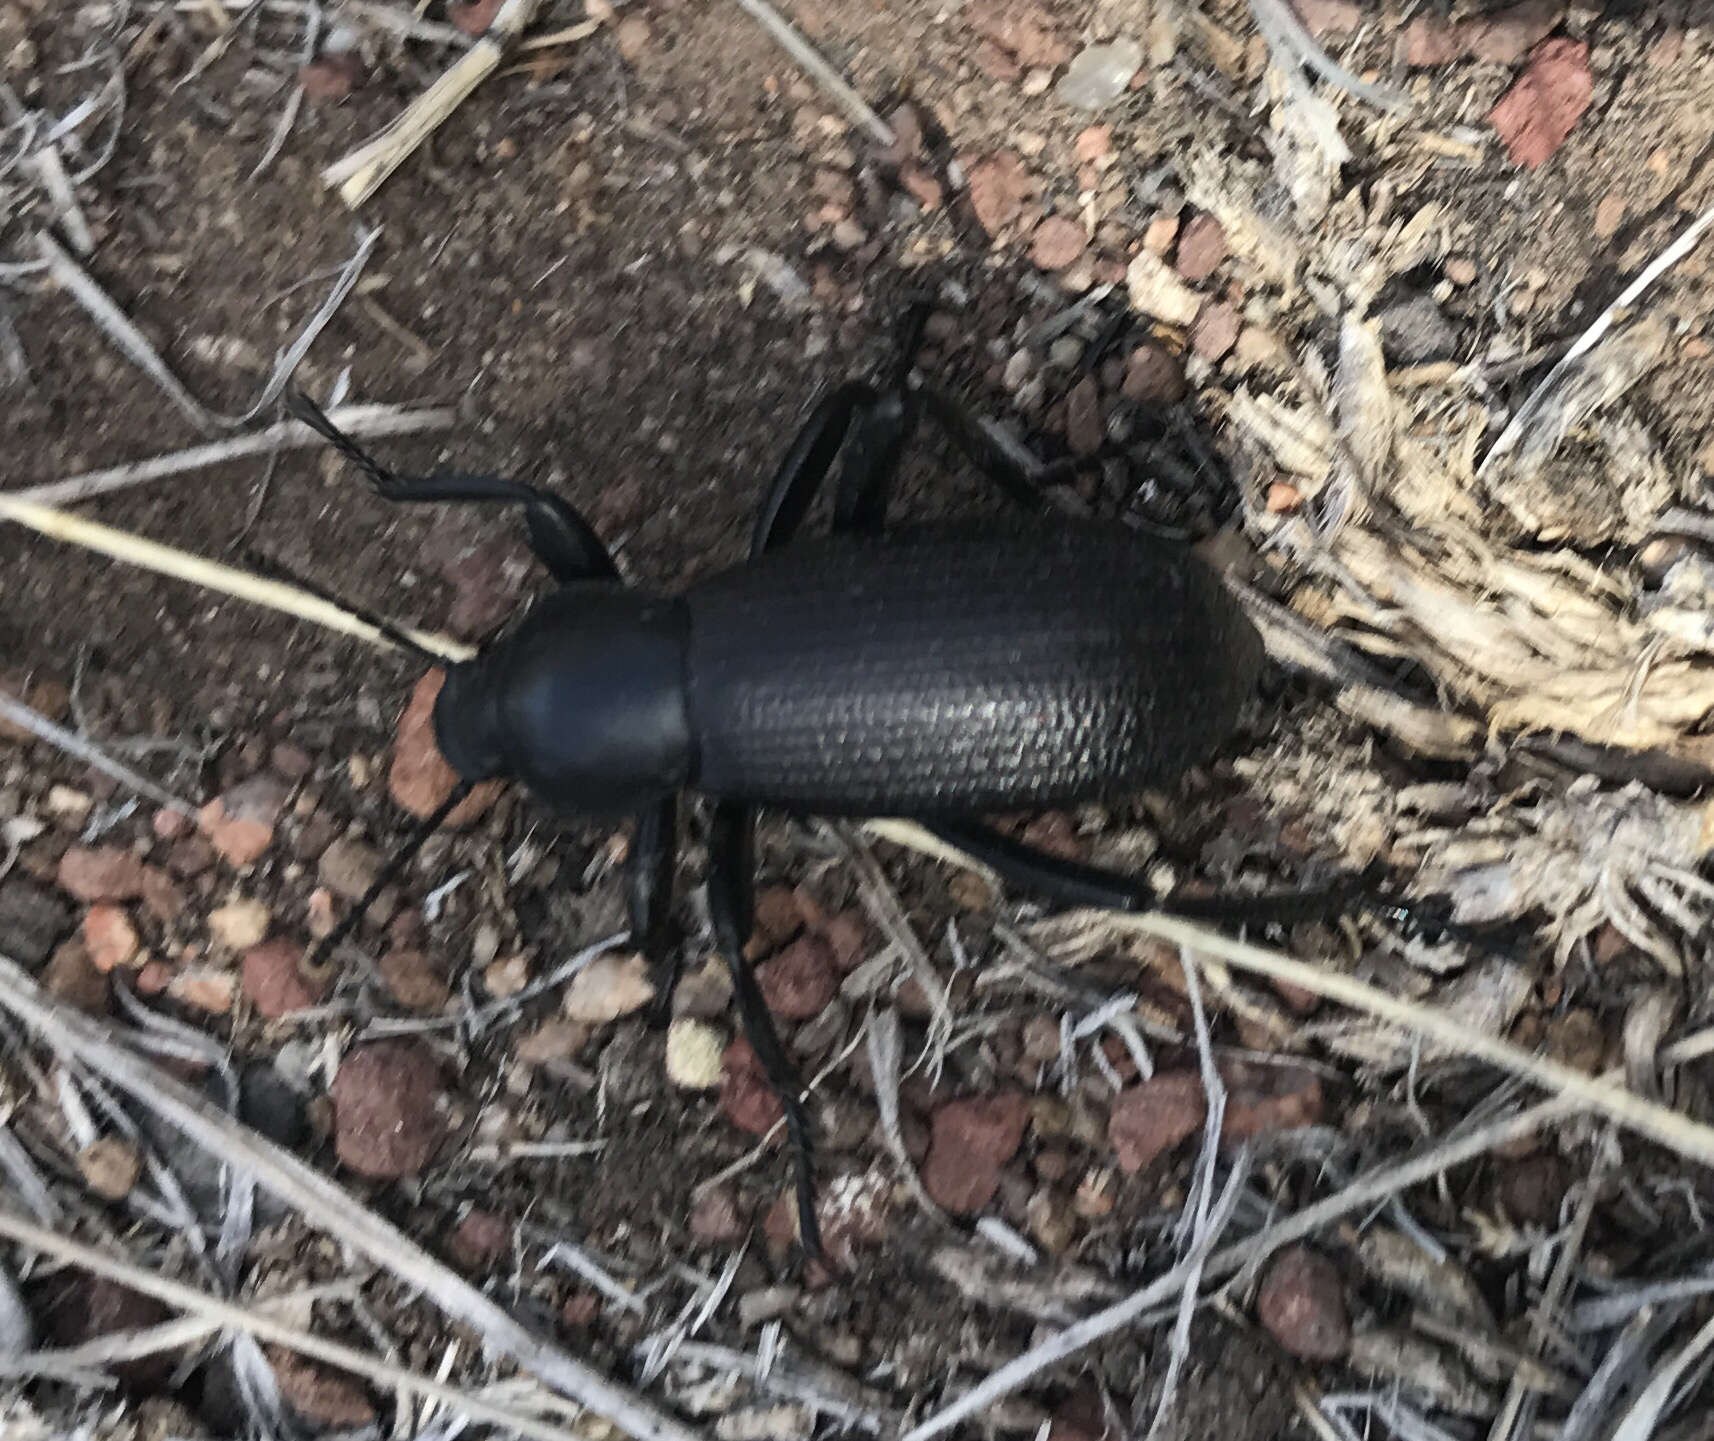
[
  {"x": 324, "y": 1204},
  {"x": 136, "y": 347},
  {"x": 90, "y": 755},
  {"x": 214, "y": 575},
  {"x": 212, "y": 1312},
  {"x": 818, "y": 69},
  {"x": 360, "y": 422},
  {"x": 361, "y": 173}
]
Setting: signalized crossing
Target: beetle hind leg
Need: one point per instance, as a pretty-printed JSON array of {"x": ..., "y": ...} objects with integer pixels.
[
  {"x": 730, "y": 903},
  {"x": 1072, "y": 883}
]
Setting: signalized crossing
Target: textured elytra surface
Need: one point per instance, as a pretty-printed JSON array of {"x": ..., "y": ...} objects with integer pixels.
[{"x": 950, "y": 670}]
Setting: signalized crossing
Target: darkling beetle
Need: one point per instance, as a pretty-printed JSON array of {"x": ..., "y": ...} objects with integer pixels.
[{"x": 941, "y": 672}]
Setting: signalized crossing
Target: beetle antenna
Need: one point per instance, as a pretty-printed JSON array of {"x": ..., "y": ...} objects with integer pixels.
[
  {"x": 399, "y": 636},
  {"x": 388, "y": 873},
  {"x": 312, "y": 415}
]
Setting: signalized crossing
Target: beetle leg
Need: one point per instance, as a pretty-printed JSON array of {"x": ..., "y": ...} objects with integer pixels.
[
  {"x": 813, "y": 451},
  {"x": 561, "y": 539},
  {"x": 649, "y": 879},
  {"x": 1072, "y": 883},
  {"x": 731, "y": 861},
  {"x": 1017, "y": 483}
]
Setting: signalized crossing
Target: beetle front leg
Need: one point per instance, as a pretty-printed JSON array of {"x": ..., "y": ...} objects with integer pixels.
[
  {"x": 649, "y": 881},
  {"x": 731, "y": 863},
  {"x": 560, "y": 538}
]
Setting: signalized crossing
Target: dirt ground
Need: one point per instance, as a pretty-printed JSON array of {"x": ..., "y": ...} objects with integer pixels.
[{"x": 572, "y": 262}]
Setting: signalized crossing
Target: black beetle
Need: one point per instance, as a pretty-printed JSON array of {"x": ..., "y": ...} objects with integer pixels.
[{"x": 941, "y": 673}]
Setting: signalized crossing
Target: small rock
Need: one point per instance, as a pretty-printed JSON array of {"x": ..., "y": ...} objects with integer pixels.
[
  {"x": 70, "y": 976},
  {"x": 100, "y": 873},
  {"x": 757, "y": 1308},
  {"x": 995, "y": 63},
  {"x": 1040, "y": 1040},
  {"x": 348, "y": 868},
  {"x": 1416, "y": 331},
  {"x": 475, "y": 17},
  {"x": 609, "y": 987},
  {"x": 270, "y": 1103},
  {"x": 553, "y": 1040},
  {"x": 419, "y": 778},
  {"x": 110, "y": 1167},
  {"x": 1153, "y": 376},
  {"x": 161, "y": 897},
  {"x": 1160, "y": 234},
  {"x": 1284, "y": 498},
  {"x": 1052, "y": 1221},
  {"x": 1215, "y": 331},
  {"x": 1540, "y": 111},
  {"x": 923, "y": 187},
  {"x": 799, "y": 982},
  {"x": 714, "y": 1217},
  {"x": 331, "y": 77},
  {"x": 1261, "y": 1100},
  {"x": 1576, "y": 1039},
  {"x": 1093, "y": 143},
  {"x": 1084, "y": 431},
  {"x": 277, "y": 982},
  {"x": 778, "y": 917},
  {"x": 580, "y": 1310},
  {"x": 1432, "y": 40},
  {"x": 240, "y": 824},
  {"x": 240, "y": 924},
  {"x": 320, "y": 913},
  {"x": 32, "y": 920},
  {"x": 1020, "y": 367},
  {"x": 705, "y": 993},
  {"x": 1201, "y": 248},
  {"x": 1506, "y": 36},
  {"x": 1301, "y": 1304},
  {"x": 414, "y": 980},
  {"x": 847, "y": 936},
  {"x": 999, "y": 186},
  {"x": 480, "y": 1240},
  {"x": 1532, "y": 1190},
  {"x": 1023, "y": 30},
  {"x": 110, "y": 938},
  {"x": 1460, "y": 270},
  {"x": 633, "y": 37},
  {"x": 1609, "y": 214},
  {"x": 168, "y": 825},
  {"x": 153, "y": 977},
  {"x": 190, "y": 856},
  {"x": 1057, "y": 242},
  {"x": 84, "y": 1308},
  {"x": 69, "y": 805},
  {"x": 206, "y": 990},
  {"x": 290, "y": 762},
  {"x": 507, "y": 976},
  {"x": 970, "y": 1142},
  {"x": 386, "y": 1112},
  {"x": 1158, "y": 292},
  {"x": 1100, "y": 75},
  {"x": 329, "y": 1400},
  {"x": 1328, "y": 17},
  {"x": 694, "y": 1054},
  {"x": 1149, "y": 1119},
  {"x": 745, "y": 1096}
]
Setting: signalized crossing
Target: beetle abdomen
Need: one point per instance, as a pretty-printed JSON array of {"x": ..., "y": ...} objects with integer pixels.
[{"x": 961, "y": 669}]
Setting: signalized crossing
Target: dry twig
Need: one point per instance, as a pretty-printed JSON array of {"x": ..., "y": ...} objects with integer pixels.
[
  {"x": 322, "y": 1203},
  {"x": 361, "y": 173}
]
